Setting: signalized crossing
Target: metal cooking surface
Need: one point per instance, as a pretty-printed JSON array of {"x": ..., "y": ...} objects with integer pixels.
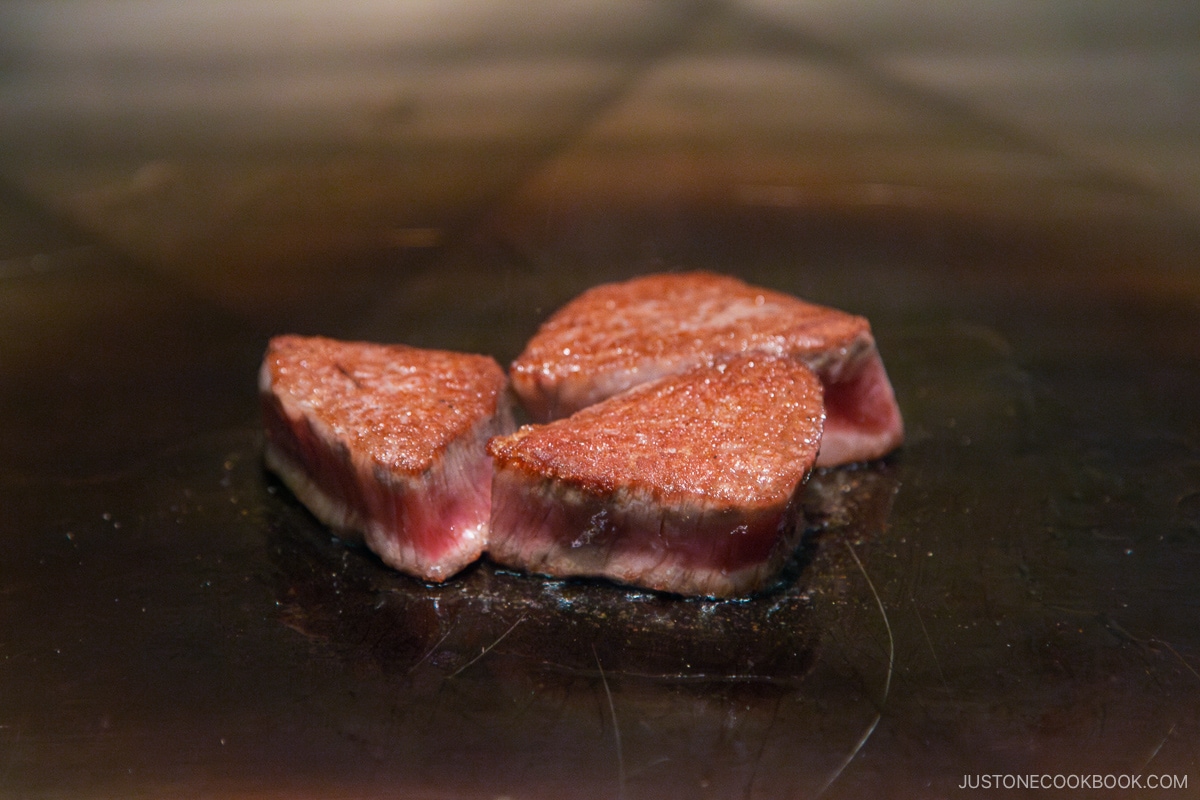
[
  {"x": 175, "y": 620},
  {"x": 1013, "y": 592}
]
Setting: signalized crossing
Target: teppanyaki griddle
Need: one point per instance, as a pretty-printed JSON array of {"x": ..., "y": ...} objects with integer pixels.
[{"x": 1012, "y": 593}]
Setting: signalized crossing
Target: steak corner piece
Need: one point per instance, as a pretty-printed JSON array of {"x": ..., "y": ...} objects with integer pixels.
[
  {"x": 387, "y": 442},
  {"x": 688, "y": 484},
  {"x": 618, "y": 335}
]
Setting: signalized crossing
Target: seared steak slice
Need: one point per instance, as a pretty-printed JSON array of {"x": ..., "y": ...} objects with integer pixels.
[
  {"x": 387, "y": 442},
  {"x": 619, "y": 335},
  {"x": 688, "y": 484}
]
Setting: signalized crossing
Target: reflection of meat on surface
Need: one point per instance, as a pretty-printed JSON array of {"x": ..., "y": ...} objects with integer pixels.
[
  {"x": 497, "y": 626},
  {"x": 616, "y": 336},
  {"x": 687, "y": 484},
  {"x": 387, "y": 441}
]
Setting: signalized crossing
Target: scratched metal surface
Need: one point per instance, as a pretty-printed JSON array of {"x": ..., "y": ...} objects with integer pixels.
[{"x": 1012, "y": 592}]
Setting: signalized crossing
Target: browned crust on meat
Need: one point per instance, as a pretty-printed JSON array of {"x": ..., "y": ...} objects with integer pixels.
[
  {"x": 737, "y": 434},
  {"x": 617, "y": 335},
  {"x": 399, "y": 406}
]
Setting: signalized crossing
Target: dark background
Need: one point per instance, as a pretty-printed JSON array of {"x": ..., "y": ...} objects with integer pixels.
[{"x": 1010, "y": 191}]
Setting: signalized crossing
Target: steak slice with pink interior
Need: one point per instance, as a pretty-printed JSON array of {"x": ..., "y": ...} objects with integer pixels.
[
  {"x": 616, "y": 336},
  {"x": 387, "y": 442},
  {"x": 688, "y": 484}
]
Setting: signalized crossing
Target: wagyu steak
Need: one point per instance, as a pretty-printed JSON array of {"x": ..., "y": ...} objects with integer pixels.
[
  {"x": 616, "y": 336},
  {"x": 687, "y": 484},
  {"x": 387, "y": 442}
]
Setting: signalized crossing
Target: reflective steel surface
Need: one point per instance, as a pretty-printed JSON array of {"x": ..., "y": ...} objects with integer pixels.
[{"x": 1012, "y": 197}]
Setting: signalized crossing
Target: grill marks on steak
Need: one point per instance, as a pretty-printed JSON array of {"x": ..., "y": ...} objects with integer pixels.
[
  {"x": 687, "y": 484},
  {"x": 387, "y": 441},
  {"x": 616, "y": 336}
]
